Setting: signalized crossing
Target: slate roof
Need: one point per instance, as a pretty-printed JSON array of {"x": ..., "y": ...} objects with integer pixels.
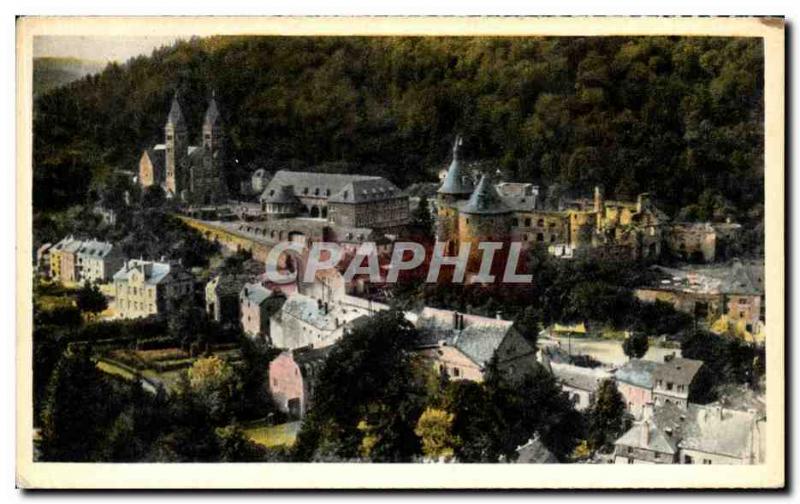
[
  {"x": 255, "y": 293},
  {"x": 658, "y": 440},
  {"x": 535, "y": 452},
  {"x": 94, "y": 249},
  {"x": 720, "y": 431},
  {"x": 175, "y": 116},
  {"x": 225, "y": 284},
  {"x": 485, "y": 200},
  {"x": 736, "y": 277},
  {"x": 283, "y": 194},
  {"x": 212, "y": 113},
  {"x": 155, "y": 272},
  {"x": 365, "y": 190},
  {"x": 677, "y": 370},
  {"x": 637, "y": 372},
  {"x": 456, "y": 181},
  {"x": 582, "y": 378},
  {"x": 306, "y": 308},
  {"x": 332, "y": 186}
]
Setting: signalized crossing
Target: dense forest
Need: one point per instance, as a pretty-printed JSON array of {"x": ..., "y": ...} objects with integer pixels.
[{"x": 681, "y": 117}]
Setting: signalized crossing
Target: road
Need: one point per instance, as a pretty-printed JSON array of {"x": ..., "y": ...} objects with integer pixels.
[{"x": 609, "y": 352}]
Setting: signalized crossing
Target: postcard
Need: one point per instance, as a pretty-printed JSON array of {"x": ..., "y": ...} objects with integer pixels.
[{"x": 400, "y": 253}]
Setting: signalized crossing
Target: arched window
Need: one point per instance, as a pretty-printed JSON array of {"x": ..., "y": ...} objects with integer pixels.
[{"x": 540, "y": 223}]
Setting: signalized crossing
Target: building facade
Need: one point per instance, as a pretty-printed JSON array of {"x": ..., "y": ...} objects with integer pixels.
[
  {"x": 257, "y": 304},
  {"x": 143, "y": 288},
  {"x": 98, "y": 261},
  {"x": 292, "y": 378}
]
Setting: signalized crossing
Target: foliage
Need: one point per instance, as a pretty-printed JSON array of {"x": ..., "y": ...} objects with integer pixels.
[
  {"x": 607, "y": 418},
  {"x": 90, "y": 299},
  {"x": 367, "y": 381},
  {"x": 726, "y": 360},
  {"x": 434, "y": 429},
  {"x": 422, "y": 219},
  {"x": 681, "y": 117},
  {"x": 528, "y": 325},
  {"x": 635, "y": 345}
]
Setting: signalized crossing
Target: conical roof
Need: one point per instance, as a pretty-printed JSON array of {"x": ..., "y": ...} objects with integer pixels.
[
  {"x": 485, "y": 200},
  {"x": 212, "y": 113},
  {"x": 456, "y": 182},
  {"x": 175, "y": 116}
]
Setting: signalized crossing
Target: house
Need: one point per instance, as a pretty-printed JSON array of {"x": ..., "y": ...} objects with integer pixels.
[
  {"x": 222, "y": 297},
  {"x": 460, "y": 345},
  {"x": 672, "y": 380},
  {"x": 635, "y": 383},
  {"x": 143, "y": 288},
  {"x": 695, "y": 434},
  {"x": 580, "y": 383},
  {"x": 257, "y": 304},
  {"x": 535, "y": 452},
  {"x": 304, "y": 321},
  {"x": 292, "y": 377},
  {"x": 98, "y": 261},
  {"x": 63, "y": 260}
]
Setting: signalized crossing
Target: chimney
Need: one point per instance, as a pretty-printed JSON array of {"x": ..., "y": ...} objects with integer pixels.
[
  {"x": 325, "y": 308},
  {"x": 498, "y": 315},
  {"x": 455, "y": 320},
  {"x": 598, "y": 199},
  {"x": 647, "y": 411},
  {"x": 645, "y": 434}
]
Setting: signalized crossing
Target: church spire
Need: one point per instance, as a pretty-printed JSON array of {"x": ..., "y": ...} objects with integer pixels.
[
  {"x": 212, "y": 113},
  {"x": 175, "y": 116}
]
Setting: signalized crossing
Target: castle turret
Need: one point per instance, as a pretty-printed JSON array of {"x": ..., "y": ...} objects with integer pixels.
[
  {"x": 177, "y": 143},
  {"x": 485, "y": 217},
  {"x": 456, "y": 187}
]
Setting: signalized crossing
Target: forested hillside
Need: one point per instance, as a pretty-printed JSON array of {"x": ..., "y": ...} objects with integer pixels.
[
  {"x": 681, "y": 117},
  {"x": 49, "y": 73}
]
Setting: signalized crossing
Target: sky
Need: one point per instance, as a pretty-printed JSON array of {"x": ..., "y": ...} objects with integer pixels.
[{"x": 109, "y": 48}]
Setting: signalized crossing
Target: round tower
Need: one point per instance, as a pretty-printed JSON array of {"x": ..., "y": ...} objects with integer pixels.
[
  {"x": 456, "y": 187},
  {"x": 484, "y": 218}
]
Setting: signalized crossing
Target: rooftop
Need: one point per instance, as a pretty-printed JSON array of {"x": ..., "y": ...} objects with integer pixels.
[{"x": 637, "y": 372}]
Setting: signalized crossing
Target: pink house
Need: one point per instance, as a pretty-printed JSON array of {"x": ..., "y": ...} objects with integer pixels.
[
  {"x": 292, "y": 376},
  {"x": 635, "y": 383},
  {"x": 257, "y": 304}
]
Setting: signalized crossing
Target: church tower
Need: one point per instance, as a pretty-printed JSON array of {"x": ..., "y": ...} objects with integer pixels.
[
  {"x": 208, "y": 181},
  {"x": 176, "y": 141}
]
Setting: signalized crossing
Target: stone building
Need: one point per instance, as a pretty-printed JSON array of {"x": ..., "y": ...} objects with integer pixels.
[
  {"x": 293, "y": 376},
  {"x": 513, "y": 212},
  {"x": 695, "y": 434},
  {"x": 460, "y": 345},
  {"x": 193, "y": 174},
  {"x": 222, "y": 297},
  {"x": 347, "y": 201},
  {"x": 304, "y": 321},
  {"x": 735, "y": 289},
  {"x": 143, "y": 288},
  {"x": 672, "y": 380},
  {"x": 635, "y": 383},
  {"x": 580, "y": 383},
  {"x": 63, "y": 260},
  {"x": 257, "y": 304},
  {"x": 98, "y": 261}
]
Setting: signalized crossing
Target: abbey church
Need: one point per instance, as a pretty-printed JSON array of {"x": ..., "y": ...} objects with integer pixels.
[{"x": 192, "y": 174}]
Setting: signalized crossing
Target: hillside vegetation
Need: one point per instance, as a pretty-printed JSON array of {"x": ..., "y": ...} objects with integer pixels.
[
  {"x": 50, "y": 73},
  {"x": 681, "y": 117}
]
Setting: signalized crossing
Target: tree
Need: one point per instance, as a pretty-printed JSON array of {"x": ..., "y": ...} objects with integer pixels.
[
  {"x": 90, "y": 299},
  {"x": 635, "y": 345},
  {"x": 528, "y": 325},
  {"x": 434, "y": 429},
  {"x": 366, "y": 392},
  {"x": 608, "y": 419},
  {"x": 153, "y": 197},
  {"x": 421, "y": 218},
  {"x": 477, "y": 424},
  {"x": 215, "y": 386},
  {"x": 76, "y": 411}
]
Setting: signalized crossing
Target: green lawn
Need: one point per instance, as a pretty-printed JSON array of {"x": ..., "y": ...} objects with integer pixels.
[{"x": 273, "y": 435}]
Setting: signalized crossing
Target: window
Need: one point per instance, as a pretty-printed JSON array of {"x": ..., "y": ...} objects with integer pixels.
[
  {"x": 539, "y": 237},
  {"x": 669, "y": 385},
  {"x": 456, "y": 372},
  {"x": 527, "y": 223},
  {"x": 515, "y": 222},
  {"x": 656, "y": 455},
  {"x": 630, "y": 461},
  {"x": 540, "y": 223},
  {"x": 706, "y": 462}
]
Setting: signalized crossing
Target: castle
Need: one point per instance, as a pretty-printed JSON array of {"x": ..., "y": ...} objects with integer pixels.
[
  {"x": 509, "y": 212},
  {"x": 193, "y": 174}
]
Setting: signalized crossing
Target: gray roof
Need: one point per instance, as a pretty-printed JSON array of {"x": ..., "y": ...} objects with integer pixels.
[
  {"x": 283, "y": 194},
  {"x": 94, "y": 249},
  {"x": 637, "y": 372},
  {"x": 712, "y": 429},
  {"x": 456, "y": 181},
  {"x": 582, "y": 378},
  {"x": 677, "y": 370},
  {"x": 485, "y": 200},
  {"x": 333, "y": 186},
  {"x": 212, "y": 113},
  {"x": 225, "y": 284},
  {"x": 477, "y": 340},
  {"x": 657, "y": 439},
  {"x": 255, "y": 293},
  {"x": 736, "y": 277},
  {"x": 155, "y": 272},
  {"x": 365, "y": 190},
  {"x": 307, "y": 309},
  {"x": 175, "y": 116},
  {"x": 535, "y": 452}
]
